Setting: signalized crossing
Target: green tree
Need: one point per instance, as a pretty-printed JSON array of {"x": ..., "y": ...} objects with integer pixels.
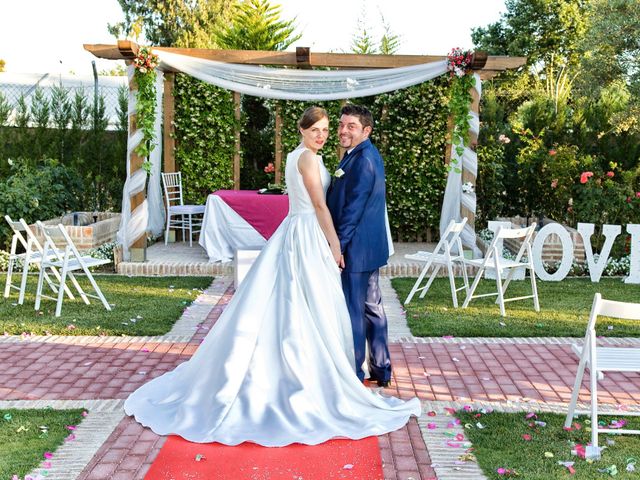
[
  {"x": 256, "y": 25},
  {"x": 542, "y": 30},
  {"x": 174, "y": 23},
  {"x": 611, "y": 49},
  {"x": 2, "y": 65},
  {"x": 363, "y": 41}
]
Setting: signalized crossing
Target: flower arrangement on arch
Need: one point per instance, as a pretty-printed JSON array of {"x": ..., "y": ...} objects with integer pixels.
[
  {"x": 145, "y": 64},
  {"x": 459, "y": 66},
  {"x": 146, "y": 60},
  {"x": 459, "y": 62}
]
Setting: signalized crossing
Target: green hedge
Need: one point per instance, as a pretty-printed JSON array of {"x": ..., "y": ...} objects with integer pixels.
[
  {"x": 205, "y": 140},
  {"x": 38, "y": 193},
  {"x": 73, "y": 130}
]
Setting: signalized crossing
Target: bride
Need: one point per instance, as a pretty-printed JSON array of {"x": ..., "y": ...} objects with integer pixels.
[{"x": 278, "y": 365}]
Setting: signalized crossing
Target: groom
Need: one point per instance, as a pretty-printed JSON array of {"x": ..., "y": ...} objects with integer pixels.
[{"x": 356, "y": 199}]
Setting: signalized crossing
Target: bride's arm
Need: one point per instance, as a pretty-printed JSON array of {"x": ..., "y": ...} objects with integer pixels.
[{"x": 310, "y": 170}]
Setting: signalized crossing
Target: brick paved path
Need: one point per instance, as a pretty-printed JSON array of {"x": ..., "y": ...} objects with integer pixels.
[{"x": 100, "y": 372}]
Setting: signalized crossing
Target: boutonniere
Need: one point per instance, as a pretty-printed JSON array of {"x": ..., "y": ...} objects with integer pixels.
[{"x": 338, "y": 173}]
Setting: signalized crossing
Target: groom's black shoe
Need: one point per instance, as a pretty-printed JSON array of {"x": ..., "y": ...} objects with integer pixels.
[{"x": 381, "y": 383}]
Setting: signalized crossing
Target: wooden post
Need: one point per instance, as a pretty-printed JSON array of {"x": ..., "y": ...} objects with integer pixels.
[
  {"x": 236, "y": 153},
  {"x": 138, "y": 249},
  {"x": 168, "y": 139},
  {"x": 449, "y": 147},
  {"x": 339, "y": 150},
  {"x": 468, "y": 176},
  {"x": 278, "y": 152}
]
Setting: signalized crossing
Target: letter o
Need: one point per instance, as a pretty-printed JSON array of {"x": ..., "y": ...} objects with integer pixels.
[{"x": 567, "y": 252}]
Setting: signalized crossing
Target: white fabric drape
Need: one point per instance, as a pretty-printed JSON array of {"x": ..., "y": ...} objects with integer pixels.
[
  {"x": 154, "y": 193},
  {"x": 305, "y": 85},
  {"x": 285, "y": 84},
  {"x": 454, "y": 197}
]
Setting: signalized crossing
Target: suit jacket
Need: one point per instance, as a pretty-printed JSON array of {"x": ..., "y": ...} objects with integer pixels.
[{"x": 357, "y": 202}]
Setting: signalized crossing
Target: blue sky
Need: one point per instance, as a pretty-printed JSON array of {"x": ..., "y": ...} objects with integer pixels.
[{"x": 47, "y": 35}]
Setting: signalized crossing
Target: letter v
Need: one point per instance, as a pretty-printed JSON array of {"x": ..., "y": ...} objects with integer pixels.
[{"x": 610, "y": 232}]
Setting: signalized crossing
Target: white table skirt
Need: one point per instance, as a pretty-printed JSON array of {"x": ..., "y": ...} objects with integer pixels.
[{"x": 224, "y": 231}]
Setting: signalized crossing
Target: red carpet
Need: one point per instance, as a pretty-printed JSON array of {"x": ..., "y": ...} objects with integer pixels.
[{"x": 335, "y": 459}]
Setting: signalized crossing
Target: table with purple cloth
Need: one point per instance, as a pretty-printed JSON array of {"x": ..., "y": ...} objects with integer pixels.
[{"x": 236, "y": 219}]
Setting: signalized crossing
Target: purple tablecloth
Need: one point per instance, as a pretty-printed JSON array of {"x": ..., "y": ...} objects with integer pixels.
[{"x": 263, "y": 212}]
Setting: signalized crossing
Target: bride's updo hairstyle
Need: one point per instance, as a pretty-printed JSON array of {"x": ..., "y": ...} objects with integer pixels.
[{"x": 310, "y": 116}]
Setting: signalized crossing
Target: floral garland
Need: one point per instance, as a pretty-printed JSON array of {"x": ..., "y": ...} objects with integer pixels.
[
  {"x": 459, "y": 66},
  {"x": 145, "y": 65}
]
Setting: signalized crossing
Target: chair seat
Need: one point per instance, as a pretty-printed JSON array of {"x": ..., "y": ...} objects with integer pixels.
[
  {"x": 37, "y": 256},
  {"x": 74, "y": 264},
  {"x": 614, "y": 359},
  {"x": 502, "y": 263},
  {"x": 186, "y": 209},
  {"x": 423, "y": 256}
]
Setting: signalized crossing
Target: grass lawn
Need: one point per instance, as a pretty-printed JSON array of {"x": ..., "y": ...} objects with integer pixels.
[
  {"x": 26, "y": 435},
  {"x": 500, "y": 444},
  {"x": 564, "y": 309},
  {"x": 141, "y": 306}
]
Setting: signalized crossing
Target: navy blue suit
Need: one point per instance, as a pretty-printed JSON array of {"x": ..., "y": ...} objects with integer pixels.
[{"x": 357, "y": 204}]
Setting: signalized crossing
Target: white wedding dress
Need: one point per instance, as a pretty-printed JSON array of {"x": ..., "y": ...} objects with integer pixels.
[{"x": 277, "y": 367}]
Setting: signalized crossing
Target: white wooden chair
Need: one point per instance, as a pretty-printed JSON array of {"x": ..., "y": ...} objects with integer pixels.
[
  {"x": 493, "y": 260},
  {"x": 68, "y": 260},
  {"x": 24, "y": 238},
  {"x": 603, "y": 359},
  {"x": 442, "y": 256},
  {"x": 187, "y": 218}
]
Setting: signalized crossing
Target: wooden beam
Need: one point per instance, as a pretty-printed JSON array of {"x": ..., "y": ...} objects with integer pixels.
[
  {"x": 479, "y": 60},
  {"x": 128, "y": 49},
  {"x": 337, "y": 60},
  {"x": 100, "y": 50},
  {"x": 302, "y": 57},
  {"x": 236, "y": 153},
  {"x": 168, "y": 139},
  {"x": 345, "y": 60}
]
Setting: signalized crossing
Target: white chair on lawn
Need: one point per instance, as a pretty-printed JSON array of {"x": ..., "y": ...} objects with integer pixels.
[
  {"x": 493, "y": 259},
  {"x": 68, "y": 260},
  {"x": 442, "y": 256},
  {"x": 32, "y": 254},
  {"x": 187, "y": 218},
  {"x": 603, "y": 359}
]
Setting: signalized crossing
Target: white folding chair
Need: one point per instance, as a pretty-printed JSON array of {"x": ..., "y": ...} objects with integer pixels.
[
  {"x": 32, "y": 254},
  {"x": 68, "y": 260},
  {"x": 185, "y": 221},
  {"x": 600, "y": 360},
  {"x": 493, "y": 259},
  {"x": 442, "y": 256}
]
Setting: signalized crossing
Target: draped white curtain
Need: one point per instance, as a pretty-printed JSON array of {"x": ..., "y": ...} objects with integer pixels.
[
  {"x": 305, "y": 85},
  {"x": 284, "y": 84}
]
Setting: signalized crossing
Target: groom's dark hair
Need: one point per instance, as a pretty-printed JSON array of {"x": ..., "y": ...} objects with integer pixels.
[{"x": 364, "y": 115}]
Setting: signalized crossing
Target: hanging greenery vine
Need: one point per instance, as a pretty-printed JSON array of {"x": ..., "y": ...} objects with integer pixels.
[
  {"x": 459, "y": 67},
  {"x": 145, "y": 77}
]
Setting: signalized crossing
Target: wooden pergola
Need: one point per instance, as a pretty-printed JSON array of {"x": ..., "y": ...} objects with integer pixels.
[{"x": 486, "y": 66}]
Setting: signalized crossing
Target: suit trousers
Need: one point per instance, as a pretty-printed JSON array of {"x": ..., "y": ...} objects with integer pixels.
[{"x": 369, "y": 323}]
